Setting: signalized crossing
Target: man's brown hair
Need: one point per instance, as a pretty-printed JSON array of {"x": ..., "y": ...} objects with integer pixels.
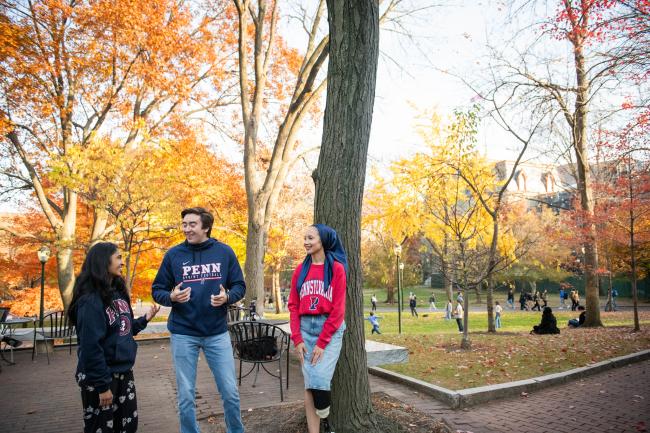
[{"x": 206, "y": 216}]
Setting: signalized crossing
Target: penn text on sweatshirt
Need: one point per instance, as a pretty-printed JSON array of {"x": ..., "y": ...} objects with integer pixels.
[
  {"x": 314, "y": 299},
  {"x": 204, "y": 267},
  {"x": 105, "y": 334}
]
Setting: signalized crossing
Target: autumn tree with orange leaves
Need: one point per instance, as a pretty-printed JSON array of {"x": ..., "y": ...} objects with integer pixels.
[{"x": 74, "y": 72}]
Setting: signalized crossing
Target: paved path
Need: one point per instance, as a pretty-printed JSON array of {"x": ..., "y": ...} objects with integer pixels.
[
  {"x": 36, "y": 397},
  {"x": 613, "y": 401}
]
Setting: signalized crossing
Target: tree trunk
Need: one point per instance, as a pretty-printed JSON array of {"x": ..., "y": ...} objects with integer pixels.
[
  {"x": 444, "y": 267},
  {"x": 477, "y": 290},
  {"x": 592, "y": 300},
  {"x": 491, "y": 265},
  {"x": 609, "y": 305},
  {"x": 277, "y": 294},
  {"x": 633, "y": 250},
  {"x": 65, "y": 250},
  {"x": 490, "y": 306},
  {"x": 100, "y": 221},
  {"x": 390, "y": 294},
  {"x": 254, "y": 265},
  {"x": 465, "y": 343},
  {"x": 339, "y": 178}
]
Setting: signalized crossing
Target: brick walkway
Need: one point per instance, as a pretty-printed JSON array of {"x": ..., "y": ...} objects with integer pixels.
[
  {"x": 35, "y": 397},
  {"x": 44, "y": 398},
  {"x": 615, "y": 401}
]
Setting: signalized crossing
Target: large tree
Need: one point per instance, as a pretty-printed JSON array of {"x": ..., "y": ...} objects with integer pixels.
[
  {"x": 340, "y": 178},
  {"x": 271, "y": 71},
  {"x": 593, "y": 38},
  {"x": 74, "y": 70}
]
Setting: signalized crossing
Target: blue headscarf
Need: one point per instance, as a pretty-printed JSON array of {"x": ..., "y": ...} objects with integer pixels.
[{"x": 333, "y": 251}]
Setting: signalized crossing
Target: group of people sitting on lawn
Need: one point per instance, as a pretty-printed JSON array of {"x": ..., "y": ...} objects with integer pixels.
[{"x": 548, "y": 324}]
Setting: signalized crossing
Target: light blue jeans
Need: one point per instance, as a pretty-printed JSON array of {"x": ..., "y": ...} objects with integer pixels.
[
  {"x": 319, "y": 376},
  {"x": 497, "y": 321},
  {"x": 218, "y": 354}
]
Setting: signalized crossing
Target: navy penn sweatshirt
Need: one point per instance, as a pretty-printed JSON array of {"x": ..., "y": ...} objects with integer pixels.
[
  {"x": 203, "y": 267},
  {"x": 105, "y": 335}
]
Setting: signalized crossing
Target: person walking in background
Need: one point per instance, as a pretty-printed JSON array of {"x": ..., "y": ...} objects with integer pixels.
[
  {"x": 459, "y": 316},
  {"x": 497, "y": 315},
  {"x": 522, "y": 301},
  {"x": 614, "y": 296},
  {"x": 101, "y": 313},
  {"x": 198, "y": 279},
  {"x": 449, "y": 310},
  {"x": 373, "y": 301},
  {"x": 413, "y": 303},
  {"x": 545, "y": 298},
  {"x": 374, "y": 321},
  {"x": 432, "y": 302},
  {"x": 562, "y": 298},
  {"x": 536, "y": 301},
  {"x": 511, "y": 297}
]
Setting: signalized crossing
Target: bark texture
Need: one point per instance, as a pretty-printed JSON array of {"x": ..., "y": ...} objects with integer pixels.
[{"x": 340, "y": 177}]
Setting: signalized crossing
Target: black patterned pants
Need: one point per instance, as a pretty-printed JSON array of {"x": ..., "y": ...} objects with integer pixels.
[{"x": 121, "y": 417}]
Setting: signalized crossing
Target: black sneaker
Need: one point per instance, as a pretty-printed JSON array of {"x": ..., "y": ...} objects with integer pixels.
[{"x": 325, "y": 426}]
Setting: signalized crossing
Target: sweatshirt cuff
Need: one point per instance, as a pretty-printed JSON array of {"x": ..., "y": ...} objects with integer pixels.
[
  {"x": 322, "y": 344},
  {"x": 103, "y": 387},
  {"x": 297, "y": 339}
]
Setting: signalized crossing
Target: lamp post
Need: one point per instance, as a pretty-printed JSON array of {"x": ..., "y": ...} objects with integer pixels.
[
  {"x": 398, "y": 252},
  {"x": 401, "y": 282},
  {"x": 43, "y": 256}
]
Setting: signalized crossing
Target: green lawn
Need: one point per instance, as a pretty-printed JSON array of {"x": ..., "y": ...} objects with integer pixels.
[
  {"x": 511, "y": 354},
  {"x": 424, "y": 292}
]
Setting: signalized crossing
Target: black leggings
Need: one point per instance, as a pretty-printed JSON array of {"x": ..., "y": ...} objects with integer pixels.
[{"x": 121, "y": 417}]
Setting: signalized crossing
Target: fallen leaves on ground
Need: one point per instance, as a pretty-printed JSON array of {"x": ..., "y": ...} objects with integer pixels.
[{"x": 496, "y": 358}]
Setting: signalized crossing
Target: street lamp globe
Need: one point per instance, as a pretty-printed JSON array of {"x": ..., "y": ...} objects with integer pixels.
[
  {"x": 43, "y": 254},
  {"x": 401, "y": 266},
  {"x": 398, "y": 250}
]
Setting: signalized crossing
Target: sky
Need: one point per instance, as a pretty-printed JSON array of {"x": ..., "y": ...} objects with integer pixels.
[{"x": 411, "y": 77}]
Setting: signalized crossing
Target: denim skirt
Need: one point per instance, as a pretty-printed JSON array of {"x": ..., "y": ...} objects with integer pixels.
[{"x": 319, "y": 376}]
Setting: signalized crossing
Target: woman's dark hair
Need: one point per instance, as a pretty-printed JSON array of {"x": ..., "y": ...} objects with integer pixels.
[
  {"x": 95, "y": 278},
  {"x": 547, "y": 311}
]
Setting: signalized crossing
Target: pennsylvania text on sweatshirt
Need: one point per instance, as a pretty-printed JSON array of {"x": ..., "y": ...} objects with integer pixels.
[
  {"x": 314, "y": 299},
  {"x": 203, "y": 267},
  {"x": 105, "y": 335}
]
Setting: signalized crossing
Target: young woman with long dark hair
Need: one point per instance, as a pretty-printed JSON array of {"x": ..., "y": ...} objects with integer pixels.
[
  {"x": 101, "y": 312},
  {"x": 317, "y": 309}
]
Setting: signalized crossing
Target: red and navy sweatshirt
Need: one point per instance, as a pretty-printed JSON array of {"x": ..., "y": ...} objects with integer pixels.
[
  {"x": 314, "y": 299},
  {"x": 105, "y": 334}
]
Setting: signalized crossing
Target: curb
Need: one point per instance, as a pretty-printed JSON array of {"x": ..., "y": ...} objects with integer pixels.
[{"x": 473, "y": 396}]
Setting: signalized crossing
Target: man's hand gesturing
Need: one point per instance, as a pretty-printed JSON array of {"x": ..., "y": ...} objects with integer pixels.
[
  {"x": 180, "y": 295},
  {"x": 220, "y": 299}
]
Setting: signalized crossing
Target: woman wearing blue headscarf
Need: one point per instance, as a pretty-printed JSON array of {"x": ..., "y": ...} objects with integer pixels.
[{"x": 317, "y": 309}]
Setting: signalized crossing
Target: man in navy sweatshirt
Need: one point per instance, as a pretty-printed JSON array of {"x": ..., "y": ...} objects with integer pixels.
[{"x": 199, "y": 279}]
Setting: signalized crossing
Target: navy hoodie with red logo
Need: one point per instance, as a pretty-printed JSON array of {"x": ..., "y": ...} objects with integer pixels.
[
  {"x": 204, "y": 267},
  {"x": 105, "y": 334}
]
